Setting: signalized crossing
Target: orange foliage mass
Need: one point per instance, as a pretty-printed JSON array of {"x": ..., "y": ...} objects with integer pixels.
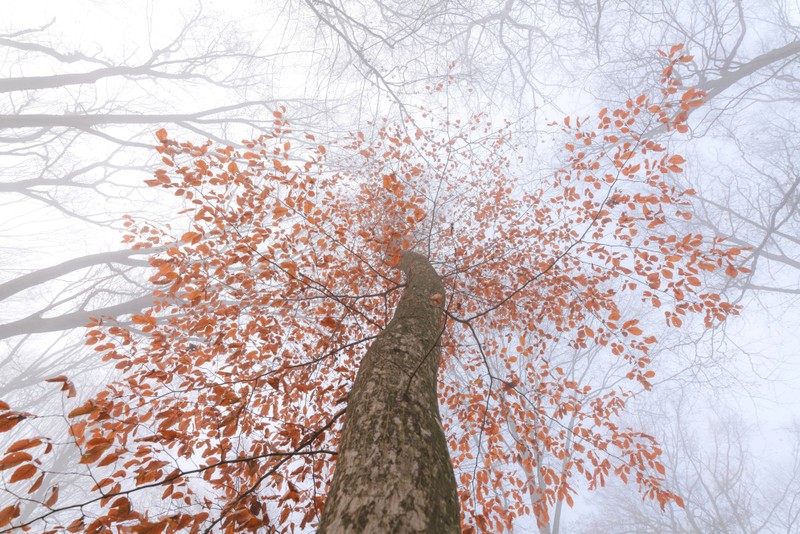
[{"x": 234, "y": 382}]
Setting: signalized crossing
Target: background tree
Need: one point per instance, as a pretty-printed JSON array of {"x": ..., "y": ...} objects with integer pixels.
[{"x": 713, "y": 464}]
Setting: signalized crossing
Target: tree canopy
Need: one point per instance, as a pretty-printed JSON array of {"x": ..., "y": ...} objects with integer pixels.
[{"x": 283, "y": 268}]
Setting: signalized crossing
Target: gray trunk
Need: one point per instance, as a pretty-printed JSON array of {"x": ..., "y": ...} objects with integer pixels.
[{"x": 393, "y": 473}]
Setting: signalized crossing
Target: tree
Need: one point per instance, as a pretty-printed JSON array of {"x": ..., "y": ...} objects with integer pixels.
[
  {"x": 234, "y": 382},
  {"x": 714, "y": 466},
  {"x": 516, "y": 53},
  {"x": 76, "y": 134},
  {"x": 393, "y": 471}
]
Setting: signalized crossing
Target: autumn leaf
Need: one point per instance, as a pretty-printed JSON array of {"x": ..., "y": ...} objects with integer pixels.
[
  {"x": 23, "y": 444},
  {"x": 36, "y": 484},
  {"x": 66, "y": 385},
  {"x": 191, "y": 237},
  {"x": 329, "y": 322},
  {"x": 10, "y": 419},
  {"x": 85, "y": 409},
  {"x": 23, "y": 473},
  {"x": 52, "y": 498},
  {"x": 14, "y": 459},
  {"x": 8, "y": 514}
]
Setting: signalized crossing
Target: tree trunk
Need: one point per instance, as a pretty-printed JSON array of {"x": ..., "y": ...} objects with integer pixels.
[{"x": 393, "y": 473}]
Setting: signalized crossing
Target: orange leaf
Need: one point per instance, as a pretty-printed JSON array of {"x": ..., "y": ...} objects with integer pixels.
[
  {"x": 329, "y": 322},
  {"x": 191, "y": 237},
  {"x": 675, "y": 49},
  {"x": 92, "y": 455},
  {"x": 632, "y": 328},
  {"x": 284, "y": 515},
  {"x": 9, "y": 420},
  {"x": 66, "y": 385},
  {"x": 51, "y": 500},
  {"x": 23, "y": 444},
  {"x": 710, "y": 267},
  {"x": 82, "y": 410},
  {"x": 8, "y": 514},
  {"x": 280, "y": 167},
  {"x": 24, "y": 472},
  {"x": 14, "y": 459},
  {"x": 59, "y": 378},
  {"x": 290, "y": 267},
  {"x": 36, "y": 485}
]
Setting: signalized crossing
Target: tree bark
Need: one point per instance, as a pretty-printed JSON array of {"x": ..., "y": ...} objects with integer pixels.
[{"x": 393, "y": 473}]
